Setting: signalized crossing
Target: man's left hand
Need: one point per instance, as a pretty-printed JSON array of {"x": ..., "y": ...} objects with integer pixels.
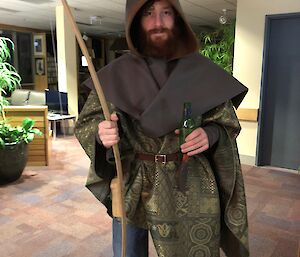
[{"x": 196, "y": 142}]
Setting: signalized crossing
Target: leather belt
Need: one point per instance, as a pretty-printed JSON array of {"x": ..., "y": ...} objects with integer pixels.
[{"x": 161, "y": 158}]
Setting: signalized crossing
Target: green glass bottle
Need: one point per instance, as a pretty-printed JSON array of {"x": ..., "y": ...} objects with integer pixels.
[{"x": 187, "y": 124}]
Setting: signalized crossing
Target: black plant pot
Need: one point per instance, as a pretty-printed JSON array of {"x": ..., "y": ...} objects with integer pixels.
[{"x": 13, "y": 159}]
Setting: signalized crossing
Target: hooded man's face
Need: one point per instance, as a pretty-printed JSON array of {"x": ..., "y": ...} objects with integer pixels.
[{"x": 157, "y": 24}]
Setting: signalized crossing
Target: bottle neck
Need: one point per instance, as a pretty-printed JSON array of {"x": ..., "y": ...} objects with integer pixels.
[{"x": 187, "y": 111}]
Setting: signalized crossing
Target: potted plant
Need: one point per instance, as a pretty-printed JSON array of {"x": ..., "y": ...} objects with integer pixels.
[{"x": 13, "y": 139}]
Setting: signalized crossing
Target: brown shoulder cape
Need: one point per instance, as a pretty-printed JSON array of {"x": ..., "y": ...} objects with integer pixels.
[{"x": 129, "y": 85}]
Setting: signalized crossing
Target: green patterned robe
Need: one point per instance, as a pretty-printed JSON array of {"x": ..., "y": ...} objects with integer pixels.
[{"x": 209, "y": 215}]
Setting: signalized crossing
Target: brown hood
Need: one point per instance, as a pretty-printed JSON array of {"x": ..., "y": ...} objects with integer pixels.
[{"x": 187, "y": 45}]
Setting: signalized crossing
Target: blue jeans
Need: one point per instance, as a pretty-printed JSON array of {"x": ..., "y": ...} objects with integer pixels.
[{"x": 136, "y": 240}]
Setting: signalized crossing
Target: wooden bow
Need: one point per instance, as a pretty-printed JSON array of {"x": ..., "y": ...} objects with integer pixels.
[{"x": 106, "y": 115}]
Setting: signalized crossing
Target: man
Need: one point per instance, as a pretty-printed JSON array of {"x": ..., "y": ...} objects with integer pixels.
[{"x": 147, "y": 89}]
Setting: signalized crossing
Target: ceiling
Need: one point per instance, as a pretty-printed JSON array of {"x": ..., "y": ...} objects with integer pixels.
[{"x": 40, "y": 14}]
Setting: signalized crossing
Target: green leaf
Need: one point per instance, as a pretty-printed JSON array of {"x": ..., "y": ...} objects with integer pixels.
[
  {"x": 28, "y": 124},
  {"x": 1, "y": 142},
  {"x": 30, "y": 137},
  {"x": 9, "y": 77},
  {"x": 37, "y": 132}
]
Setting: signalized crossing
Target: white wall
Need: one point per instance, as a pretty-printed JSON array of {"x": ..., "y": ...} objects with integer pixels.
[{"x": 248, "y": 57}]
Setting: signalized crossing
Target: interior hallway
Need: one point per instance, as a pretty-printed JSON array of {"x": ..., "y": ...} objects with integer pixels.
[{"x": 49, "y": 212}]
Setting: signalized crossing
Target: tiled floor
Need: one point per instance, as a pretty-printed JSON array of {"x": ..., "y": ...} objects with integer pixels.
[{"x": 49, "y": 212}]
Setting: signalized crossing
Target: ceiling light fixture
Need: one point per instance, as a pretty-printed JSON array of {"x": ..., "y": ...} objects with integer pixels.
[
  {"x": 85, "y": 37},
  {"x": 223, "y": 19},
  {"x": 94, "y": 20}
]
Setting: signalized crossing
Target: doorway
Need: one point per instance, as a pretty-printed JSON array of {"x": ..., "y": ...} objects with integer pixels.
[{"x": 279, "y": 122}]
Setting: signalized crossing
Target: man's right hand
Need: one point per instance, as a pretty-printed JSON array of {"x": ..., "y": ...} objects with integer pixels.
[{"x": 108, "y": 131}]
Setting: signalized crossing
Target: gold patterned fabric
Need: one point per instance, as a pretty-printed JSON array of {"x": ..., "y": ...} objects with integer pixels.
[{"x": 195, "y": 223}]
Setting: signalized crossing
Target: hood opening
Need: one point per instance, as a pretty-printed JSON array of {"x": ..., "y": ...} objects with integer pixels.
[{"x": 185, "y": 41}]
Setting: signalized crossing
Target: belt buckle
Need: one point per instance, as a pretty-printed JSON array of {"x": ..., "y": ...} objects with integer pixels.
[{"x": 163, "y": 156}]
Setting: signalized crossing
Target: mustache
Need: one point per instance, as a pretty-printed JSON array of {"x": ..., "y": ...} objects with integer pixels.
[{"x": 158, "y": 30}]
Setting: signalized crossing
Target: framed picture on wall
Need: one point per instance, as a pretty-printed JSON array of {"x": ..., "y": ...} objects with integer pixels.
[
  {"x": 39, "y": 44},
  {"x": 40, "y": 66}
]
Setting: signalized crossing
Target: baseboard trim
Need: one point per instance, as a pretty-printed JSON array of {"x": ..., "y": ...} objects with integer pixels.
[
  {"x": 247, "y": 159},
  {"x": 281, "y": 169}
]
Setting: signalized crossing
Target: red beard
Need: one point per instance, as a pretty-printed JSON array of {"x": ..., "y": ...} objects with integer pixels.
[{"x": 158, "y": 47}]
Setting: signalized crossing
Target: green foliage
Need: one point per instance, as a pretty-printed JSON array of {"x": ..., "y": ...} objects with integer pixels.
[
  {"x": 218, "y": 46},
  {"x": 4, "y": 50},
  {"x": 3, "y": 102},
  {"x": 9, "y": 81},
  {"x": 9, "y": 78},
  {"x": 14, "y": 135}
]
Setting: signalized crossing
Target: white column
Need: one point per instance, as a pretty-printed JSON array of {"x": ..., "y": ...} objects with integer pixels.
[{"x": 67, "y": 59}]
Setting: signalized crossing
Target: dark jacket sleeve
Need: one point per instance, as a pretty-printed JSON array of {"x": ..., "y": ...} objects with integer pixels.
[
  {"x": 86, "y": 130},
  {"x": 102, "y": 166},
  {"x": 212, "y": 131}
]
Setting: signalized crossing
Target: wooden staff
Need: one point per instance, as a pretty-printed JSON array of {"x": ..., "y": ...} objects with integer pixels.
[{"x": 106, "y": 115}]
